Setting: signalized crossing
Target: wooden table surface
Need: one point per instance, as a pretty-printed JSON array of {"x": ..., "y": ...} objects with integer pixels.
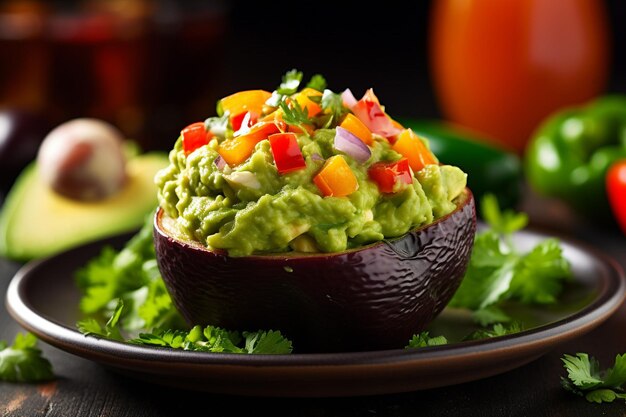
[{"x": 84, "y": 388}]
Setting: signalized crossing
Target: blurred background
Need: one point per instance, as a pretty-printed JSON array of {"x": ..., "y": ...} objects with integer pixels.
[{"x": 153, "y": 66}]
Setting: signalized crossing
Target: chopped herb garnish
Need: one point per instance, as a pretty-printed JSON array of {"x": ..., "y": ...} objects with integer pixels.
[
  {"x": 423, "y": 339},
  {"x": 23, "y": 361},
  {"x": 585, "y": 378}
]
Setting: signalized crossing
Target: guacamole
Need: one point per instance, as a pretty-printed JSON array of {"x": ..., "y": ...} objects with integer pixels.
[{"x": 313, "y": 185}]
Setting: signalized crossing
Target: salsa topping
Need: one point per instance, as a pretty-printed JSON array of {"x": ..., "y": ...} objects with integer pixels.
[{"x": 303, "y": 163}]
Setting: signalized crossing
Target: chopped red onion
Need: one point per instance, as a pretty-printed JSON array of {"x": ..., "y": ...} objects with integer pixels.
[
  {"x": 317, "y": 157},
  {"x": 348, "y": 98},
  {"x": 348, "y": 143},
  {"x": 220, "y": 163}
]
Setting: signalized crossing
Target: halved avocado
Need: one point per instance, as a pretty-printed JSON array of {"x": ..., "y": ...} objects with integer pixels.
[
  {"x": 36, "y": 222},
  {"x": 374, "y": 297}
]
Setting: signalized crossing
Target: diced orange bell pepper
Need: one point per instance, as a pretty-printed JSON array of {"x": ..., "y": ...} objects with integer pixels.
[
  {"x": 411, "y": 146},
  {"x": 249, "y": 100},
  {"x": 237, "y": 150},
  {"x": 277, "y": 117},
  {"x": 304, "y": 101},
  {"x": 336, "y": 179},
  {"x": 352, "y": 124}
]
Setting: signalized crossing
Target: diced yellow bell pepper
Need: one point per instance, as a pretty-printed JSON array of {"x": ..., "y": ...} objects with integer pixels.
[
  {"x": 336, "y": 179},
  {"x": 411, "y": 146}
]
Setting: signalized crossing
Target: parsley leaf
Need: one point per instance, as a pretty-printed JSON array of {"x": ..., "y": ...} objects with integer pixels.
[
  {"x": 423, "y": 339},
  {"x": 585, "y": 378},
  {"x": 23, "y": 361},
  {"x": 497, "y": 272}
]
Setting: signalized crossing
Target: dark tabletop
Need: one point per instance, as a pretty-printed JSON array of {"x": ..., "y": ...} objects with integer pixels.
[{"x": 85, "y": 388}]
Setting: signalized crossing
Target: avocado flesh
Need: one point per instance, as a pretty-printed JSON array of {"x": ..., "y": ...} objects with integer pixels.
[{"x": 36, "y": 222}]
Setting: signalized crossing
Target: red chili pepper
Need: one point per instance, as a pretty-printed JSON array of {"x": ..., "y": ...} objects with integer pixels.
[
  {"x": 616, "y": 191},
  {"x": 286, "y": 151},
  {"x": 194, "y": 136},
  {"x": 390, "y": 176}
]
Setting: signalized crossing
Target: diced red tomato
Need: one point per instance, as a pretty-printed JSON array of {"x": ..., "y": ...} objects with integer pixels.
[
  {"x": 371, "y": 113},
  {"x": 286, "y": 151},
  {"x": 242, "y": 122},
  {"x": 194, "y": 136},
  {"x": 391, "y": 176}
]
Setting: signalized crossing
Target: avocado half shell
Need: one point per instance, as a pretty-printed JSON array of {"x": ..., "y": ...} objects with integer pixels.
[{"x": 369, "y": 298}]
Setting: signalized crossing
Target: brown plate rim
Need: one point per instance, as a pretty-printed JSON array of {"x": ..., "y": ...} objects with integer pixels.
[{"x": 517, "y": 348}]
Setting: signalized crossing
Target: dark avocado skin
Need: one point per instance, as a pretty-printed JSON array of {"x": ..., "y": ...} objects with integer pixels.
[{"x": 370, "y": 298}]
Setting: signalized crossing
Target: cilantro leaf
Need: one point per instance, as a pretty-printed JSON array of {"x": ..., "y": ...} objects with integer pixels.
[
  {"x": 497, "y": 272},
  {"x": 295, "y": 115},
  {"x": 317, "y": 82},
  {"x": 490, "y": 315},
  {"x": 496, "y": 330},
  {"x": 423, "y": 339},
  {"x": 267, "y": 342},
  {"x": 291, "y": 82},
  {"x": 215, "y": 339},
  {"x": 111, "y": 274},
  {"x": 488, "y": 274},
  {"x": 585, "y": 378},
  {"x": 111, "y": 330},
  {"x": 23, "y": 361},
  {"x": 539, "y": 275},
  {"x": 132, "y": 275},
  {"x": 504, "y": 222},
  {"x": 333, "y": 103}
]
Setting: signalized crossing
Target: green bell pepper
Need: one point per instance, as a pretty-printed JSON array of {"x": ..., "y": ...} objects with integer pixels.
[
  {"x": 490, "y": 169},
  {"x": 571, "y": 151}
]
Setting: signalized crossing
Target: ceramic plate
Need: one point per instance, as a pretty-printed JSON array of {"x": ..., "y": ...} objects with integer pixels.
[{"x": 42, "y": 297}]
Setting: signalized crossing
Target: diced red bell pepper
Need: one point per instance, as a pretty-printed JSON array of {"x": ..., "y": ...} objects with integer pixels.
[
  {"x": 391, "y": 177},
  {"x": 243, "y": 120},
  {"x": 616, "y": 191},
  {"x": 286, "y": 151},
  {"x": 371, "y": 113},
  {"x": 194, "y": 136}
]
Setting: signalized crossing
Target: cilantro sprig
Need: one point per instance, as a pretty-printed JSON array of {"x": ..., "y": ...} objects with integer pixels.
[
  {"x": 296, "y": 115},
  {"x": 497, "y": 271},
  {"x": 424, "y": 339},
  {"x": 23, "y": 360},
  {"x": 125, "y": 299},
  {"x": 585, "y": 378},
  {"x": 215, "y": 339},
  {"x": 199, "y": 339}
]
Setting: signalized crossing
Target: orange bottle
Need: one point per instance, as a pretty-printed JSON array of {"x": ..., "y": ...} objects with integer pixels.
[{"x": 500, "y": 67}]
